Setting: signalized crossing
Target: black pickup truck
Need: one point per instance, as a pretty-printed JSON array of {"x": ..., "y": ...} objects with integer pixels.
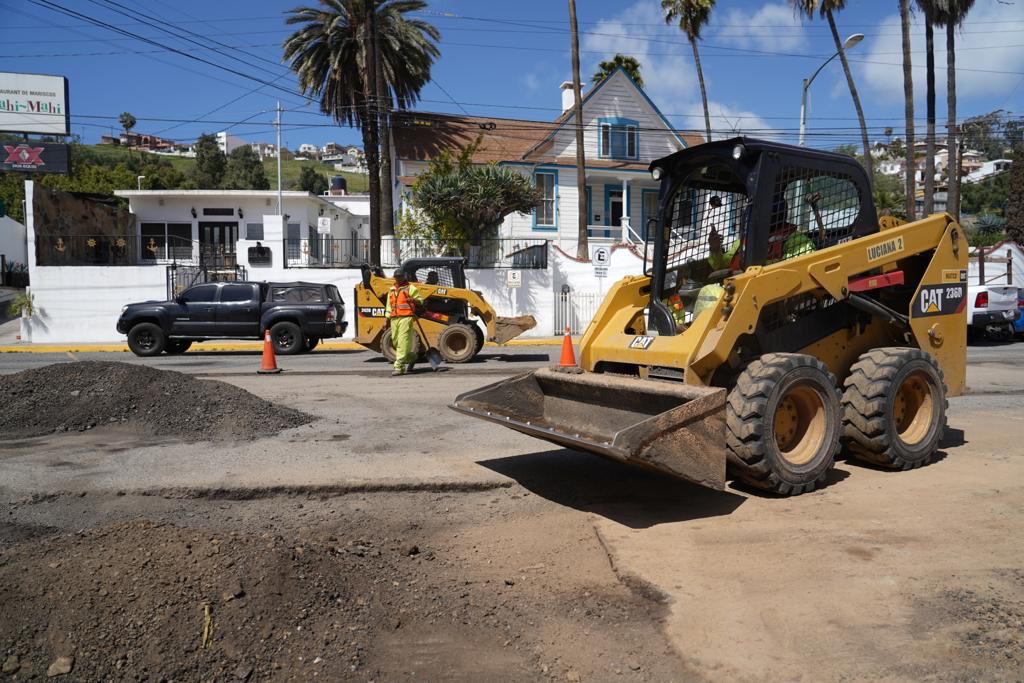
[{"x": 298, "y": 315}]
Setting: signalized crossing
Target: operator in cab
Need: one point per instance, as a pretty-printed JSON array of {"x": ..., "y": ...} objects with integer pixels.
[{"x": 404, "y": 301}]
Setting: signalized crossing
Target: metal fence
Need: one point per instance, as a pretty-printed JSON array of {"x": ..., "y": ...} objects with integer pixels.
[
  {"x": 87, "y": 250},
  {"x": 575, "y": 310},
  {"x": 326, "y": 252}
]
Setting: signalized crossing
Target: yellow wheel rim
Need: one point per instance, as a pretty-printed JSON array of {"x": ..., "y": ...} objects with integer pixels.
[
  {"x": 799, "y": 424},
  {"x": 913, "y": 408}
]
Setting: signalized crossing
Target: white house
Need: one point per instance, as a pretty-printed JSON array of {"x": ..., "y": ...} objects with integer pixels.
[
  {"x": 264, "y": 150},
  {"x": 623, "y": 132},
  {"x": 989, "y": 168},
  {"x": 228, "y": 142},
  {"x": 309, "y": 150},
  {"x": 13, "y": 246}
]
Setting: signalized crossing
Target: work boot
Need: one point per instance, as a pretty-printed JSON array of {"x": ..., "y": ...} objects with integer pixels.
[
  {"x": 409, "y": 367},
  {"x": 398, "y": 373}
]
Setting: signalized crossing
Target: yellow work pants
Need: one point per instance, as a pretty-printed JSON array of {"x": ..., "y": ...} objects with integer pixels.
[{"x": 402, "y": 331}]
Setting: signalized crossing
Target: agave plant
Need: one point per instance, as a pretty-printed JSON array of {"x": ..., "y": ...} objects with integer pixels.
[
  {"x": 987, "y": 223},
  {"x": 22, "y": 304}
]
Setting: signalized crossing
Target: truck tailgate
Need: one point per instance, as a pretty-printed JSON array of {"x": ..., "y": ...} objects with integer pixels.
[{"x": 1002, "y": 298}]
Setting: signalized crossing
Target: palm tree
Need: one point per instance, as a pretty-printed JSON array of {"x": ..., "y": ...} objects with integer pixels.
[
  {"x": 582, "y": 238},
  {"x": 951, "y": 14},
  {"x": 908, "y": 111},
  {"x": 620, "y": 61},
  {"x": 692, "y": 16},
  {"x": 928, "y": 9},
  {"x": 331, "y": 52},
  {"x": 827, "y": 9}
]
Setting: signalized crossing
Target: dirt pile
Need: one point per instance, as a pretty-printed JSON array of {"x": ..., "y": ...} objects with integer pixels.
[
  {"x": 362, "y": 588},
  {"x": 69, "y": 397}
]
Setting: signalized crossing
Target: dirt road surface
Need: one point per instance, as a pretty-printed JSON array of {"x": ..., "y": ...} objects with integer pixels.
[{"x": 439, "y": 548}]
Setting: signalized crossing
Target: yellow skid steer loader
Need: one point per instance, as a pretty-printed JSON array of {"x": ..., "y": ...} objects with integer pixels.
[
  {"x": 452, "y": 317},
  {"x": 775, "y": 323}
]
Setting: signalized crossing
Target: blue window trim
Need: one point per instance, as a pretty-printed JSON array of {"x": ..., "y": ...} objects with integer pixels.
[
  {"x": 608, "y": 189},
  {"x": 551, "y": 172},
  {"x": 643, "y": 210},
  {"x": 617, "y": 122},
  {"x": 590, "y": 210}
]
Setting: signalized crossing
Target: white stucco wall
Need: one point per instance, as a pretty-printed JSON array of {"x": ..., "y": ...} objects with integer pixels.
[{"x": 12, "y": 240}]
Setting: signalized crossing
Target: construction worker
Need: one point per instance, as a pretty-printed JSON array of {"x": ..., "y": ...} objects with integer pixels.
[{"x": 403, "y": 301}]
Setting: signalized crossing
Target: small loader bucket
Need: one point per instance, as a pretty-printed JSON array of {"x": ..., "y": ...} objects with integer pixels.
[
  {"x": 510, "y": 328},
  {"x": 664, "y": 426}
]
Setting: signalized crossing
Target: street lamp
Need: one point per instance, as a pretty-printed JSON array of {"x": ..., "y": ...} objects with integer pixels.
[
  {"x": 138, "y": 179},
  {"x": 847, "y": 44}
]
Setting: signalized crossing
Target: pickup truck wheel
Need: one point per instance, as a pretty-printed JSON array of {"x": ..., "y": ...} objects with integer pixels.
[
  {"x": 146, "y": 339},
  {"x": 311, "y": 343},
  {"x": 176, "y": 346},
  {"x": 287, "y": 339}
]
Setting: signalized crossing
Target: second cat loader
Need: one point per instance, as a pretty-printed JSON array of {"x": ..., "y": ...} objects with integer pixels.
[
  {"x": 775, "y": 323},
  {"x": 453, "y": 315}
]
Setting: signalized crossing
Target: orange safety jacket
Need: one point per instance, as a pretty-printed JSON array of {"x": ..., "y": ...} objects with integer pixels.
[{"x": 400, "y": 303}]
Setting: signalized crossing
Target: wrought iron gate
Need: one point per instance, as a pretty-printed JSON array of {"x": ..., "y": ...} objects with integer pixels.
[{"x": 180, "y": 278}]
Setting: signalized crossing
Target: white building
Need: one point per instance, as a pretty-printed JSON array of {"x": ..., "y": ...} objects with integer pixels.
[
  {"x": 309, "y": 150},
  {"x": 623, "y": 132},
  {"x": 264, "y": 150},
  {"x": 989, "y": 168},
  {"x": 13, "y": 244},
  {"x": 228, "y": 142}
]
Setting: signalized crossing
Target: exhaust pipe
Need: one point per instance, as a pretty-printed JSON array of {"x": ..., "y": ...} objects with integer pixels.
[{"x": 667, "y": 427}]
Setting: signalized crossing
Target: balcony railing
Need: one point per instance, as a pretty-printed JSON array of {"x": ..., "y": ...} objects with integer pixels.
[{"x": 347, "y": 253}]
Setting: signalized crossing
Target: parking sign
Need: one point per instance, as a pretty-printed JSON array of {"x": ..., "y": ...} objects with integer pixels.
[{"x": 600, "y": 257}]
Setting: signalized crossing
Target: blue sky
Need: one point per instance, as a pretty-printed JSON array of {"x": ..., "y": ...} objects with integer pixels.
[{"x": 508, "y": 59}]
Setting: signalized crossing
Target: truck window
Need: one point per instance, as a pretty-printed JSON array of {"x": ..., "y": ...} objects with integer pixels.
[
  {"x": 200, "y": 294},
  {"x": 236, "y": 293},
  {"x": 297, "y": 295},
  {"x": 334, "y": 294}
]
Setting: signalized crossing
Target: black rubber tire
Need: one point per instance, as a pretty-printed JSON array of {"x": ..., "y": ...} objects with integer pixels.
[
  {"x": 752, "y": 447},
  {"x": 873, "y": 401},
  {"x": 177, "y": 346},
  {"x": 457, "y": 343},
  {"x": 480, "y": 339},
  {"x": 311, "y": 343},
  {"x": 388, "y": 351},
  {"x": 146, "y": 339},
  {"x": 287, "y": 339}
]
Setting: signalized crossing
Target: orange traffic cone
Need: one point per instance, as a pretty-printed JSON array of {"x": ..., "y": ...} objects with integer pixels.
[
  {"x": 568, "y": 359},
  {"x": 269, "y": 364}
]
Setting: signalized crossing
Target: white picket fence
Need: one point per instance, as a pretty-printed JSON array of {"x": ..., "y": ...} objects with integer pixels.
[{"x": 575, "y": 309}]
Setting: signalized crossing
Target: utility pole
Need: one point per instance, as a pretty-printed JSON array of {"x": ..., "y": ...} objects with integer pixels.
[
  {"x": 280, "y": 203},
  {"x": 372, "y": 139}
]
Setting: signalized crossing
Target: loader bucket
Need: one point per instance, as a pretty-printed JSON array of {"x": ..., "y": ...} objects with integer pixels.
[
  {"x": 669, "y": 427},
  {"x": 510, "y": 328}
]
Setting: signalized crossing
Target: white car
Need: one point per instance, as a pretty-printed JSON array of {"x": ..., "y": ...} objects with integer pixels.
[{"x": 991, "y": 311}]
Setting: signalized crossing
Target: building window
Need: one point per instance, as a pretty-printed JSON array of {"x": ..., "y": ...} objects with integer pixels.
[
  {"x": 546, "y": 210},
  {"x": 619, "y": 139},
  {"x": 253, "y": 231},
  {"x": 166, "y": 241}
]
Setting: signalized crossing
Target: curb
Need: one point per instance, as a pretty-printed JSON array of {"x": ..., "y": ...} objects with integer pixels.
[{"x": 255, "y": 347}]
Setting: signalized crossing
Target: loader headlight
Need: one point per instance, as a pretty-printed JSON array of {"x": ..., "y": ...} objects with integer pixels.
[
  {"x": 656, "y": 173},
  {"x": 738, "y": 151}
]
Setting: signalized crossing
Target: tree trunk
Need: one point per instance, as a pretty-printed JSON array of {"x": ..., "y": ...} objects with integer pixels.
[
  {"x": 910, "y": 186},
  {"x": 703, "y": 91},
  {"x": 582, "y": 239},
  {"x": 371, "y": 136},
  {"x": 869, "y": 166},
  {"x": 929, "y": 161},
  {"x": 953, "y": 159},
  {"x": 387, "y": 184}
]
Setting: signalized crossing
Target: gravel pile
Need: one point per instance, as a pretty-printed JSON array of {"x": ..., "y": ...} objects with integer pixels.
[{"x": 70, "y": 397}]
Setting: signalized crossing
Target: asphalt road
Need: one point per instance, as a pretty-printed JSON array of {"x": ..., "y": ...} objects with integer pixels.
[{"x": 499, "y": 360}]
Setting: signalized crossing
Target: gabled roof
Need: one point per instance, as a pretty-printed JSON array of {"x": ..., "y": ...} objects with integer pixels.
[{"x": 564, "y": 119}]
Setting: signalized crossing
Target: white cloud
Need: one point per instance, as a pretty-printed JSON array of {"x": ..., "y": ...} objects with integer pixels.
[
  {"x": 746, "y": 28},
  {"x": 987, "y": 43},
  {"x": 669, "y": 79}
]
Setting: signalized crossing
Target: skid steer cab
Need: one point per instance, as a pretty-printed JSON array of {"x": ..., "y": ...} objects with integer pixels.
[
  {"x": 775, "y": 323},
  {"x": 456, "y": 320}
]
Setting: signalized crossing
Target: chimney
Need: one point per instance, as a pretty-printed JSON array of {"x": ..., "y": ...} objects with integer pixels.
[{"x": 568, "y": 98}]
